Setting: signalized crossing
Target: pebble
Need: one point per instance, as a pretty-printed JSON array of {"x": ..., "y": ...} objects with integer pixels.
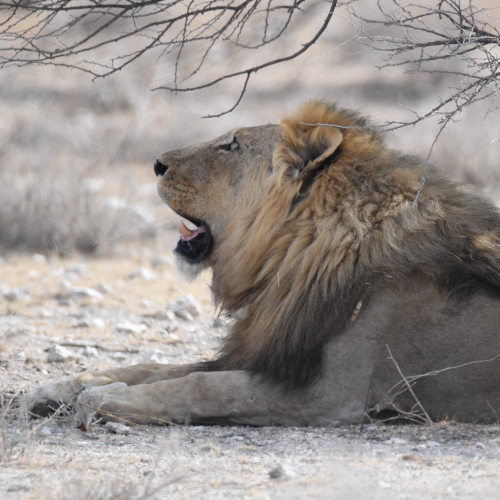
[
  {"x": 116, "y": 428},
  {"x": 38, "y": 257},
  {"x": 58, "y": 354},
  {"x": 75, "y": 269},
  {"x": 153, "y": 356},
  {"x": 118, "y": 356},
  {"x": 46, "y": 431},
  {"x": 45, "y": 313},
  {"x": 129, "y": 328},
  {"x": 282, "y": 471},
  {"x": 22, "y": 293},
  {"x": 81, "y": 292},
  {"x": 143, "y": 273},
  {"x": 185, "y": 308},
  {"x": 90, "y": 352},
  {"x": 103, "y": 288},
  {"x": 90, "y": 323},
  {"x": 399, "y": 441}
]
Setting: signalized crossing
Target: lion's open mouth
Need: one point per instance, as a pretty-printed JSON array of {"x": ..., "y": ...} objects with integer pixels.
[{"x": 194, "y": 245}]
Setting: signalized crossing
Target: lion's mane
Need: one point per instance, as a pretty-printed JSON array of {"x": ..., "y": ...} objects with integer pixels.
[{"x": 334, "y": 222}]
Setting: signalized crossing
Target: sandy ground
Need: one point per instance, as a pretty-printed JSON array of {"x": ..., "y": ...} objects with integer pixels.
[{"x": 48, "y": 459}]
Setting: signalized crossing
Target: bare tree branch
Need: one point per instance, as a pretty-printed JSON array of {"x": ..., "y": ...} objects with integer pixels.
[{"x": 72, "y": 33}]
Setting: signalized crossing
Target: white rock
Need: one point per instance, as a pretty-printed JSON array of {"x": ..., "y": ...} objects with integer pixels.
[
  {"x": 146, "y": 303},
  {"x": 59, "y": 354},
  {"x": 33, "y": 274},
  {"x": 17, "y": 294},
  {"x": 116, "y": 428},
  {"x": 45, "y": 313},
  {"x": 90, "y": 323},
  {"x": 46, "y": 431},
  {"x": 98, "y": 323},
  {"x": 90, "y": 352},
  {"x": 64, "y": 285},
  {"x": 118, "y": 356},
  {"x": 143, "y": 273},
  {"x": 76, "y": 269},
  {"x": 103, "y": 288},
  {"x": 130, "y": 328},
  {"x": 81, "y": 292},
  {"x": 185, "y": 307},
  {"x": 432, "y": 444},
  {"x": 153, "y": 356},
  {"x": 399, "y": 441},
  {"x": 38, "y": 257},
  {"x": 283, "y": 471}
]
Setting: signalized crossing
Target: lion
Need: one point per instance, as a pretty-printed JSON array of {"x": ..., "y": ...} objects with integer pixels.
[{"x": 351, "y": 296}]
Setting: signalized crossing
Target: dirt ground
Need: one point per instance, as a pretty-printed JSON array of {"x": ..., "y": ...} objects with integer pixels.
[{"x": 132, "y": 321}]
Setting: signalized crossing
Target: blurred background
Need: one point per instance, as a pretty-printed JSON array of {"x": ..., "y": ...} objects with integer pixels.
[{"x": 76, "y": 152}]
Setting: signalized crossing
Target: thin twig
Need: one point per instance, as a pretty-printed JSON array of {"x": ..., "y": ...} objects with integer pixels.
[{"x": 391, "y": 357}]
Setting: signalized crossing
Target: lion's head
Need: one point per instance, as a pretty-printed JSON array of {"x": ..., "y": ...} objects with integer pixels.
[{"x": 302, "y": 222}]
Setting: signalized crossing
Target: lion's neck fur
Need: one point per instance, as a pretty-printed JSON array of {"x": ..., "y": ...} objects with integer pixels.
[{"x": 301, "y": 261}]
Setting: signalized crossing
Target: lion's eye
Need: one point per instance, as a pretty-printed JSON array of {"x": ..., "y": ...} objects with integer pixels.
[{"x": 229, "y": 146}]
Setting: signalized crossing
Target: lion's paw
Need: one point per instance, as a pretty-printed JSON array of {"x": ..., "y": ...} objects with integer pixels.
[
  {"x": 90, "y": 402},
  {"x": 46, "y": 399}
]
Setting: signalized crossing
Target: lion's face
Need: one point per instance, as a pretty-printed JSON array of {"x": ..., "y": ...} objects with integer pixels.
[{"x": 201, "y": 183}]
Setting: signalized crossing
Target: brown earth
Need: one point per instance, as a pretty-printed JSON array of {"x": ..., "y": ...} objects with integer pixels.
[{"x": 48, "y": 459}]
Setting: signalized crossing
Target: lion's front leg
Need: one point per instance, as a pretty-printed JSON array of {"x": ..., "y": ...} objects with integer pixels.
[
  {"x": 226, "y": 397},
  {"x": 45, "y": 399}
]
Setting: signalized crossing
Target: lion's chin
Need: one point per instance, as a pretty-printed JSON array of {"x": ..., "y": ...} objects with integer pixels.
[
  {"x": 188, "y": 270},
  {"x": 193, "y": 249}
]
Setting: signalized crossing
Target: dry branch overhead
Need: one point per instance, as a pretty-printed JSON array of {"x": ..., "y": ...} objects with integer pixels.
[
  {"x": 102, "y": 37},
  {"x": 455, "y": 39}
]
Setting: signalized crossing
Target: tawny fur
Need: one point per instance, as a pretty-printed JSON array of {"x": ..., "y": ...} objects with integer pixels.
[
  {"x": 300, "y": 258},
  {"x": 324, "y": 260}
]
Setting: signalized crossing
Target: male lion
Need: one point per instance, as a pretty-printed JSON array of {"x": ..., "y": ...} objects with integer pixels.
[{"x": 340, "y": 284}]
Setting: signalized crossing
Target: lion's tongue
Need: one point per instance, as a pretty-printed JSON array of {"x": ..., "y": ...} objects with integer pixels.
[{"x": 187, "y": 234}]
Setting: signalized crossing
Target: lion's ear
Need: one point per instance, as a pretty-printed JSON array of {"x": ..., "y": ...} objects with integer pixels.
[{"x": 329, "y": 139}]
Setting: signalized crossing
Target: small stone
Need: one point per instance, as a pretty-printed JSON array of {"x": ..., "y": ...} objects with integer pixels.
[
  {"x": 130, "y": 328},
  {"x": 153, "y": 356},
  {"x": 33, "y": 274},
  {"x": 59, "y": 354},
  {"x": 118, "y": 356},
  {"x": 90, "y": 352},
  {"x": 116, "y": 428},
  {"x": 399, "y": 441},
  {"x": 45, "y": 313},
  {"x": 432, "y": 444},
  {"x": 185, "y": 307},
  {"x": 38, "y": 257},
  {"x": 80, "y": 292},
  {"x": 142, "y": 273},
  {"x": 282, "y": 471},
  {"x": 64, "y": 285},
  {"x": 46, "y": 431},
  {"x": 17, "y": 294},
  {"x": 103, "y": 288},
  {"x": 90, "y": 323},
  {"x": 76, "y": 269},
  {"x": 146, "y": 303},
  {"x": 98, "y": 323}
]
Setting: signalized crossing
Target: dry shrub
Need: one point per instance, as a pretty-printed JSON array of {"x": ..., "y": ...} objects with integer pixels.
[{"x": 55, "y": 210}]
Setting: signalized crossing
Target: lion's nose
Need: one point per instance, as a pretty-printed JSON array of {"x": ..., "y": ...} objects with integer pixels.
[{"x": 160, "y": 168}]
